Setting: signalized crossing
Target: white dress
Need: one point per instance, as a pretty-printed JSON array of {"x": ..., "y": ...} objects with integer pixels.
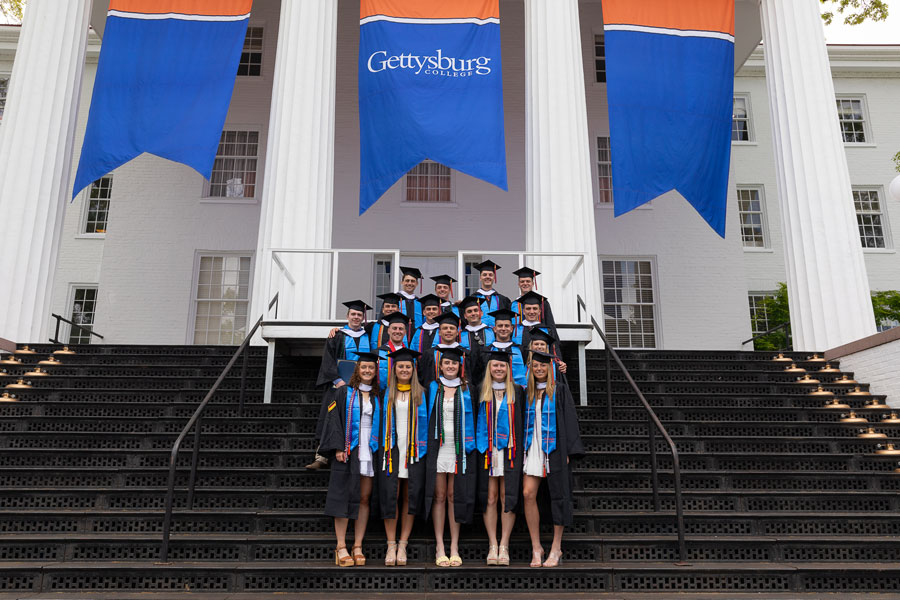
[
  {"x": 497, "y": 456},
  {"x": 366, "y": 469},
  {"x": 446, "y": 458},
  {"x": 401, "y": 416},
  {"x": 534, "y": 458}
]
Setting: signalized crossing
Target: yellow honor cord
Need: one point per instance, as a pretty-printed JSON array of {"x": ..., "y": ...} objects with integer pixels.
[{"x": 403, "y": 387}]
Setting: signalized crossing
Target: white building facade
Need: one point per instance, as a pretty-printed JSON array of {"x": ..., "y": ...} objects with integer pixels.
[{"x": 154, "y": 254}]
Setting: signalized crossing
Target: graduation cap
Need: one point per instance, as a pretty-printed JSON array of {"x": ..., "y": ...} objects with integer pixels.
[
  {"x": 526, "y": 272},
  {"x": 404, "y": 354},
  {"x": 445, "y": 279},
  {"x": 539, "y": 333},
  {"x": 454, "y": 354},
  {"x": 429, "y": 300},
  {"x": 397, "y": 317},
  {"x": 367, "y": 357},
  {"x": 488, "y": 265},
  {"x": 531, "y": 298},
  {"x": 448, "y": 317},
  {"x": 503, "y": 314},
  {"x": 541, "y": 356},
  {"x": 467, "y": 302},
  {"x": 391, "y": 298},
  {"x": 357, "y": 305},
  {"x": 500, "y": 354},
  {"x": 411, "y": 271}
]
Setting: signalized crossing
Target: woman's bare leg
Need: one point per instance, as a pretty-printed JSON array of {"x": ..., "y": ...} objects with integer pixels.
[
  {"x": 532, "y": 515},
  {"x": 439, "y": 512},
  {"x": 454, "y": 526},
  {"x": 365, "y": 494},
  {"x": 490, "y": 511},
  {"x": 507, "y": 519}
]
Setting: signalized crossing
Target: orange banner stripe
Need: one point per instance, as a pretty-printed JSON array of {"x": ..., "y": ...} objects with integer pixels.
[
  {"x": 431, "y": 9},
  {"x": 702, "y": 15},
  {"x": 186, "y": 7}
]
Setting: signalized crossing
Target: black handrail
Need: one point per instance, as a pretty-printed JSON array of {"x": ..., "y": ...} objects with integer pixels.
[
  {"x": 787, "y": 337},
  {"x": 55, "y": 338},
  {"x": 195, "y": 421},
  {"x": 652, "y": 421}
]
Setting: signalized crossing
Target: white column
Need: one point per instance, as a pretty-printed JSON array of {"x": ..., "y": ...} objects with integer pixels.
[
  {"x": 35, "y": 160},
  {"x": 828, "y": 287},
  {"x": 559, "y": 190},
  {"x": 298, "y": 188}
]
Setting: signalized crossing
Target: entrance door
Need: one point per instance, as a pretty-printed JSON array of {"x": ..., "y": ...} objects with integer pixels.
[{"x": 430, "y": 266}]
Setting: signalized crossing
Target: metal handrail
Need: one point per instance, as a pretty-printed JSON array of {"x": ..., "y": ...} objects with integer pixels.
[
  {"x": 787, "y": 338},
  {"x": 55, "y": 338},
  {"x": 652, "y": 421},
  {"x": 195, "y": 421}
]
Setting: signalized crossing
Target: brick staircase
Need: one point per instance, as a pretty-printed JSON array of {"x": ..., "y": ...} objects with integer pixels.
[{"x": 781, "y": 497}]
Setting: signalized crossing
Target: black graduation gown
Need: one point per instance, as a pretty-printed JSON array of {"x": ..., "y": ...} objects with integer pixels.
[
  {"x": 555, "y": 347},
  {"x": 389, "y": 484},
  {"x": 342, "y": 498},
  {"x": 502, "y": 302},
  {"x": 427, "y": 366},
  {"x": 328, "y": 372},
  {"x": 464, "y": 485},
  {"x": 556, "y": 488},
  {"x": 512, "y": 470}
]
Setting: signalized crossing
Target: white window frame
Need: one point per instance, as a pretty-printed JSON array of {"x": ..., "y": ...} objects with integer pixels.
[
  {"x": 598, "y": 34},
  {"x": 470, "y": 260},
  {"x": 262, "y": 52},
  {"x": 5, "y": 75},
  {"x": 86, "y": 208},
  {"x": 375, "y": 260},
  {"x": 70, "y": 301},
  {"x": 885, "y": 220},
  {"x": 403, "y": 190},
  {"x": 867, "y": 121},
  {"x": 767, "y": 242},
  {"x": 759, "y": 294},
  {"x": 195, "y": 280},
  {"x": 657, "y": 303},
  {"x": 751, "y": 133},
  {"x": 596, "y": 168},
  {"x": 260, "y": 166}
]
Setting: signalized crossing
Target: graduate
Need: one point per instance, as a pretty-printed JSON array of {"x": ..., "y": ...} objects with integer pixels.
[
  {"x": 350, "y": 436},
  {"x": 443, "y": 289},
  {"x": 493, "y": 299},
  {"x": 499, "y": 432},
  {"x": 396, "y": 331},
  {"x": 409, "y": 304},
  {"x": 551, "y": 439},
  {"x": 343, "y": 344},
  {"x": 541, "y": 341},
  {"x": 503, "y": 340},
  {"x": 451, "y": 457},
  {"x": 447, "y": 339},
  {"x": 423, "y": 337},
  {"x": 400, "y": 460},
  {"x": 476, "y": 334},
  {"x": 378, "y": 334},
  {"x": 527, "y": 283},
  {"x": 531, "y": 305}
]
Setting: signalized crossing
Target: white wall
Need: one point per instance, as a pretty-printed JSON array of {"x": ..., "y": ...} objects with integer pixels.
[{"x": 877, "y": 366}]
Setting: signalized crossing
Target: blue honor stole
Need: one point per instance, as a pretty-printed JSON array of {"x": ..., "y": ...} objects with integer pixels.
[
  {"x": 465, "y": 338},
  {"x": 492, "y": 303},
  {"x": 416, "y": 318},
  {"x": 384, "y": 365},
  {"x": 548, "y": 424},
  {"x": 354, "y": 345}
]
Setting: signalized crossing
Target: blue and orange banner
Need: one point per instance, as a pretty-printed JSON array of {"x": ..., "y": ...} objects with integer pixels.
[
  {"x": 670, "y": 87},
  {"x": 164, "y": 83},
  {"x": 430, "y": 87}
]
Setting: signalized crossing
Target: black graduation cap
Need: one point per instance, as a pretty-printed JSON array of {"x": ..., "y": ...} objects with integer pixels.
[
  {"x": 391, "y": 298},
  {"x": 526, "y": 272},
  {"x": 404, "y": 354},
  {"x": 445, "y": 279},
  {"x": 503, "y": 314},
  {"x": 487, "y": 265},
  {"x": 397, "y": 317},
  {"x": 447, "y": 317},
  {"x": 454, "y": 354},
  {"x": 429, "y": 300},
  {"x": 367, "y": 357},
  {"x": 411, "y": 271},
  {"x": 500, "y": 354},
  {"x": 467, "y": 302},
  {"x": 541, "y": 356},
  {"x": 530, "y": 298},
  {"x": 357, "y": 305},
  {"x": 539, "y": 333}
]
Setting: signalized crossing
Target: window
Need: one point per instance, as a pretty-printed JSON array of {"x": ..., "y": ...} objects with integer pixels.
[
  {"x": 251, "y": 56},
  {"x": 629, "y": 303},
  {"x": 222, "y": 302},
  {"x": 740, "y": 119},
  {"x": 383, "y": 283},
  {"x": 472, "y": 280},
  {"x": 750, "y": 208},
  {"x": 604, "y": 171},
  {"x": 869, "y": 218},
  {"x": 234, "y": 172},
  {"x": 759, "y": 319},
  {"x": 599, "y": 59},
  {"x": 4, "y": 86},
  {"x": 97, "y": 214},
  {"x": 851, "y": 115},
  {"x": 84, "y": 307},
  {"x": 429, "y": 181}
]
